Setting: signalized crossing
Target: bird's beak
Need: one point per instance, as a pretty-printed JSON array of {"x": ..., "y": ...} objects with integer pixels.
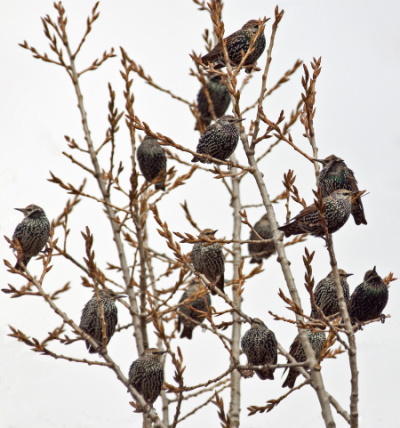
[
  {"x": 240, "y": 120},
  {"x": 357, "y": 194},
  {"x": 349, "y": 274},
  {"x": 318, "y": 160},
  {"x": 374, "y": 269},
  {"x": 121, "y": 296},
  {"x": 161, "y": 352},
  {"x": 20, "y": 209},
  {"x": 215, "y": 231}
]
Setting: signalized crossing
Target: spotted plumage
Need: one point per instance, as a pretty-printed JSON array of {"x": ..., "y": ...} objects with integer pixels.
[
  {"x": 220, "y": 99},
  {"x": 219, "y": 139},
  {"x": 260, "y": 346},
  {"x": 152, "y": 161},
  {"x": 192, "y": 309},
  {"x": 146, "y": 374},
  {"x": 337, "y": 211},
  {"x": 91, "y": 319},
  {"x": 326, "y": 295},
  {"x": 336, "y": 175},
  {"x": 317, "y": 340},
  {"x": 32, "y": 233},
  {"x": 263, "y": 250},
  {"x": 208, "y": 259},
  {"x": 237, "y": 45},
  {"x": 369, "y": 299}
]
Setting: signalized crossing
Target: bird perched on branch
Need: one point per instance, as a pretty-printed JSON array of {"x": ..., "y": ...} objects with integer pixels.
[
  {"x": 152, "y": 161},
  {"x": 91, "y": 318},
  {"x": 32, "y": 234},
  {"x": 317, "y": 340},
  {"x": 336, "y": 175},
  {"x": 192, "y": 309},
  {"x": 369, "y": 299},
  {"x": 260, "y": 346},
  {"x": 326, "y": 297},
  {"x": 262, "y": 250},
  {"x": 208, "y": 259},
  {"x": 219, "y": 140},
  {"x": 337, "y": 211},
  {"x": 146, "y": 374},
  {"x": 220, "y": 99},
  {"x": 237, "y": 45}
]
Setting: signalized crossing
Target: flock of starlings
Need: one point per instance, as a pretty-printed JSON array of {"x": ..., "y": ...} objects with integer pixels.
[{"x": 340, "y": 194}]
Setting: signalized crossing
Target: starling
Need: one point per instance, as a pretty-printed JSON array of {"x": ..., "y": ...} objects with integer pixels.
[
  {"x": 260, "y": 346},
  {"x": 152, "y": 161},
  {"x": 192, "y": 309},
  {"x": 337, "y": 211},
  {"x": 208, "y": 259},
  {"x": 220, "y": 99},
  {"x": 369, "y": 299},
  {"x": 265, "y": 250},
  {"x": 326, "y": 295},
  {"x": 336, "y": 175},
  {"x": 237, "y": 45},
  {"x": 91, "y": 320},
  {"x": 146, "y": 374},
  {"x": 32, "y": 233},
  {"x": 296, "y": 350},
  {"x": 219, "y": 140}
]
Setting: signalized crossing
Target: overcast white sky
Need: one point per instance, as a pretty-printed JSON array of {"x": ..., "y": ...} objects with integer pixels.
[{"x": 357, "y": 119}]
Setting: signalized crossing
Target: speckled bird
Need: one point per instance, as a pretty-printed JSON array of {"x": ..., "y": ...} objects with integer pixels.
[
  {"x": 152, "y": 161},
  {"x": 260, "y": 346},
  {"x": 317, "y": 340},
  {"x": 369, "y": 299},
  {"x": 326, "y": 295},
  {"x": 219, "y": 140},
  {"x": 220, "y": 99},
  {"x": 336, "y": 175},
  {"x": 208, "y": 259},
  {"x": 237, "y": 45},
  {"x": 146, "y": 374},
  {"x": 192, "y": 309},
  {"x": 32, "y": 233},
  {"x": 91, "y": 319},
  {"x": 263, "y": 250},
  {"x": 337, "y": 211}
]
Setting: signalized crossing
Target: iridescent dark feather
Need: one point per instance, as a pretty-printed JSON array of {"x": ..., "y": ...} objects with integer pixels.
[
  {"x": 369, "y": 299},
  {"x": 260, "y": 346},
  {"x": 337, "y": 211},
  {"x": 336, "y": 175},
  {"x": 237, "y": 45},
  {"x": 152, "y": 161}
]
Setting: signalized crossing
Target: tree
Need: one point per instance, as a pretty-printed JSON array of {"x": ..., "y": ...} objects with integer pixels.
[{"x": 148, "y": 281}]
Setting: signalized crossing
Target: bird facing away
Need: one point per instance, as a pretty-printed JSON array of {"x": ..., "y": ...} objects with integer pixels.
[
  {"x": 32, "y": 233},
  {"x": 260, "y": 346},
  {"x": 91, "y": 319},
  {"x": 337, "y": 211},
  {"x": 209, "y": 260},
  {"x": 219, "y": 140},
  {"x": 192, "y": 309},
  {"x": 237, "y": 45},
  {"x": 263, "y": 250},
  {"x": 326, "y": 295},
  {"x": 317, "y": 340},
  {"x": 146, "y": 374},
  {"x": 220, "y": 99},
  {"x": 369, "y": 299},
  {"x": 152, "y": 161},
  {"x": 336, "y": 175}
]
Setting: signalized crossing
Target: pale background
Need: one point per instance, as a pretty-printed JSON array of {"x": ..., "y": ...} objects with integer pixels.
[{"x": 357, "y": 119}]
